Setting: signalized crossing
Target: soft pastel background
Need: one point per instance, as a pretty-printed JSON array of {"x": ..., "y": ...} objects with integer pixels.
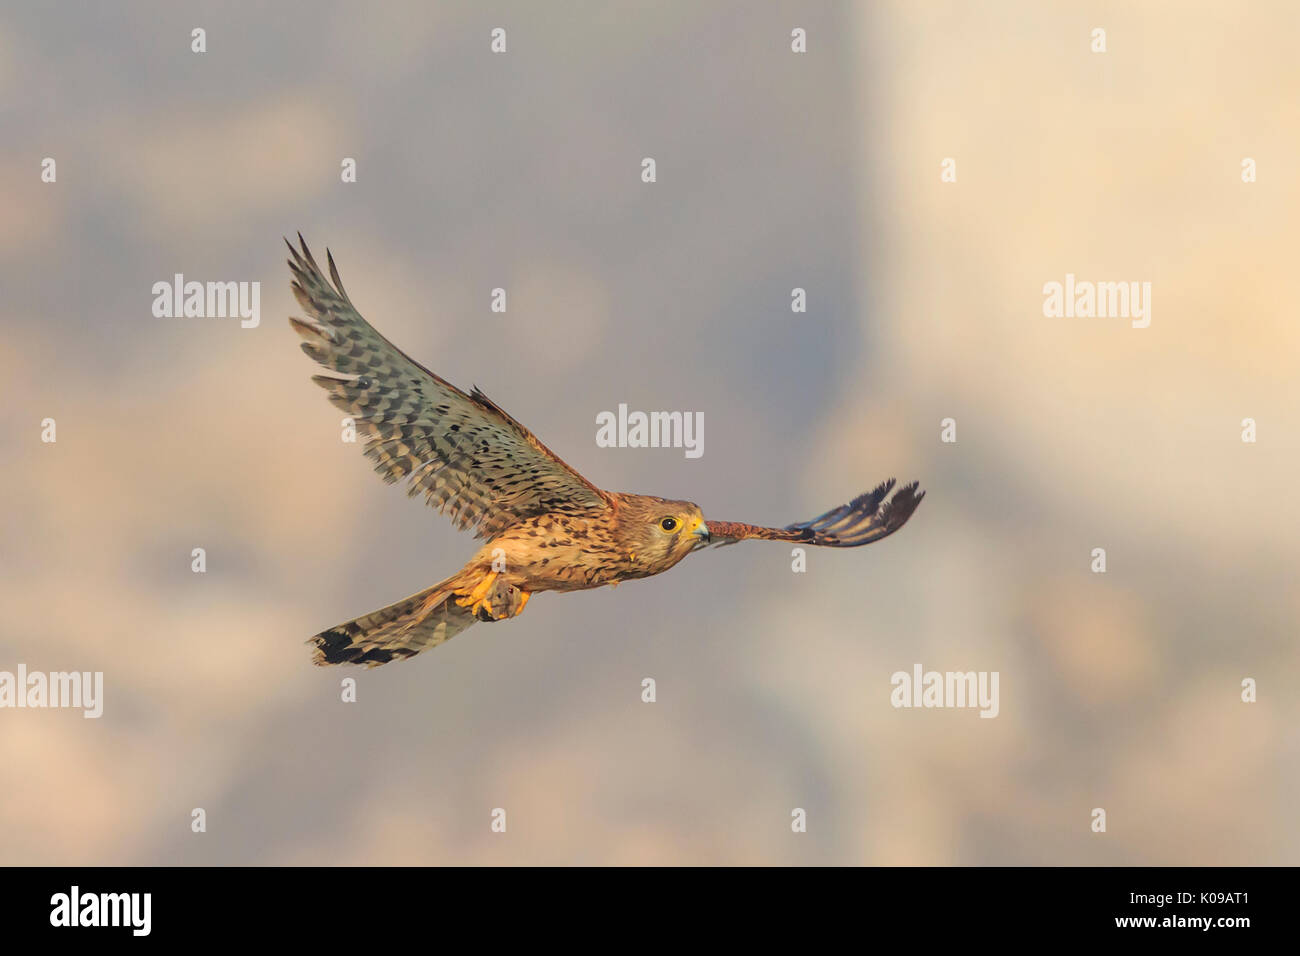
[{"x": 775, "y": 170}]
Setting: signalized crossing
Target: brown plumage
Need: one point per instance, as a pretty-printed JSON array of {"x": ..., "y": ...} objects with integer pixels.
[{"x": 547, "y": 527}]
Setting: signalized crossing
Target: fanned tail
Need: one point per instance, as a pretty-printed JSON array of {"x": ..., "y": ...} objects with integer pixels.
[{"x": 401, "y": 630}]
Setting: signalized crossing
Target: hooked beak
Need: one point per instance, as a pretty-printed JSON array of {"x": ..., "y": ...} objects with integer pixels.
[{"x": 701, "y": 530}]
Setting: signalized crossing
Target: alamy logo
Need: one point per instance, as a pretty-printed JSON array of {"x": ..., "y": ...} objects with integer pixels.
[
  {"x": 946, "y": 689},
  {"x": 1103, "y": 300},
  {"x": 213, "y": 300},
  {"x": 55, "y": 689},
  {"x": 651, "y": 430},
  {"x": 103, "y": 909}
]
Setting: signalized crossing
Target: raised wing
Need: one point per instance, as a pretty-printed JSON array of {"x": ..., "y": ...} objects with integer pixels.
[
  {"x": 865, "y": 519},
  {"x": 471, "y": 460}
]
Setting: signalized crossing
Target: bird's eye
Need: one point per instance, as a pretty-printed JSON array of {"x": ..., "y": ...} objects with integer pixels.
[{"x": 668, "y": 524}]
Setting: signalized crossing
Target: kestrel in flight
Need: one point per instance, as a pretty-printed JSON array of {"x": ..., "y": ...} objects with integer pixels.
[{"x": 547, "y": 527}]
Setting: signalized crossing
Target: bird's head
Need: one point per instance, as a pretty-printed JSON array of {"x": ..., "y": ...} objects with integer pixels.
[{"x": 656, "y": 533}]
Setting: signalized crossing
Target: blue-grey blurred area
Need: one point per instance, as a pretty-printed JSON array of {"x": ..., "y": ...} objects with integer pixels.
[{"x": 775, "y": 170}]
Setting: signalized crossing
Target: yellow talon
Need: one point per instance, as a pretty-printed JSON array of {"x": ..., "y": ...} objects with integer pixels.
[
  {"x": 475, "y": 597},
  {"x": 483, "y": 602}
]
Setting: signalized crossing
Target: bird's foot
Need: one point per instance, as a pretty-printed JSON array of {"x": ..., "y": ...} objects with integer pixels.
[
  {"x": 475, "y": 596},
  {"x": 494, "y": 599},
  {"x": 502, "y": 601}
]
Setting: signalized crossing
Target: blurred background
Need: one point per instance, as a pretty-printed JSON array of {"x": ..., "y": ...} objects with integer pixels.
[{"x": 775, "y": 170}]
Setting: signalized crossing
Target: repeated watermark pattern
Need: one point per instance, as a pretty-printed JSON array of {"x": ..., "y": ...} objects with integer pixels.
[{"x": 83, "y": 690}]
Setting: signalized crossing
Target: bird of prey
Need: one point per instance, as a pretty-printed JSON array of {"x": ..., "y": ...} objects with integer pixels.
[{"x": 547, "y": 527}]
